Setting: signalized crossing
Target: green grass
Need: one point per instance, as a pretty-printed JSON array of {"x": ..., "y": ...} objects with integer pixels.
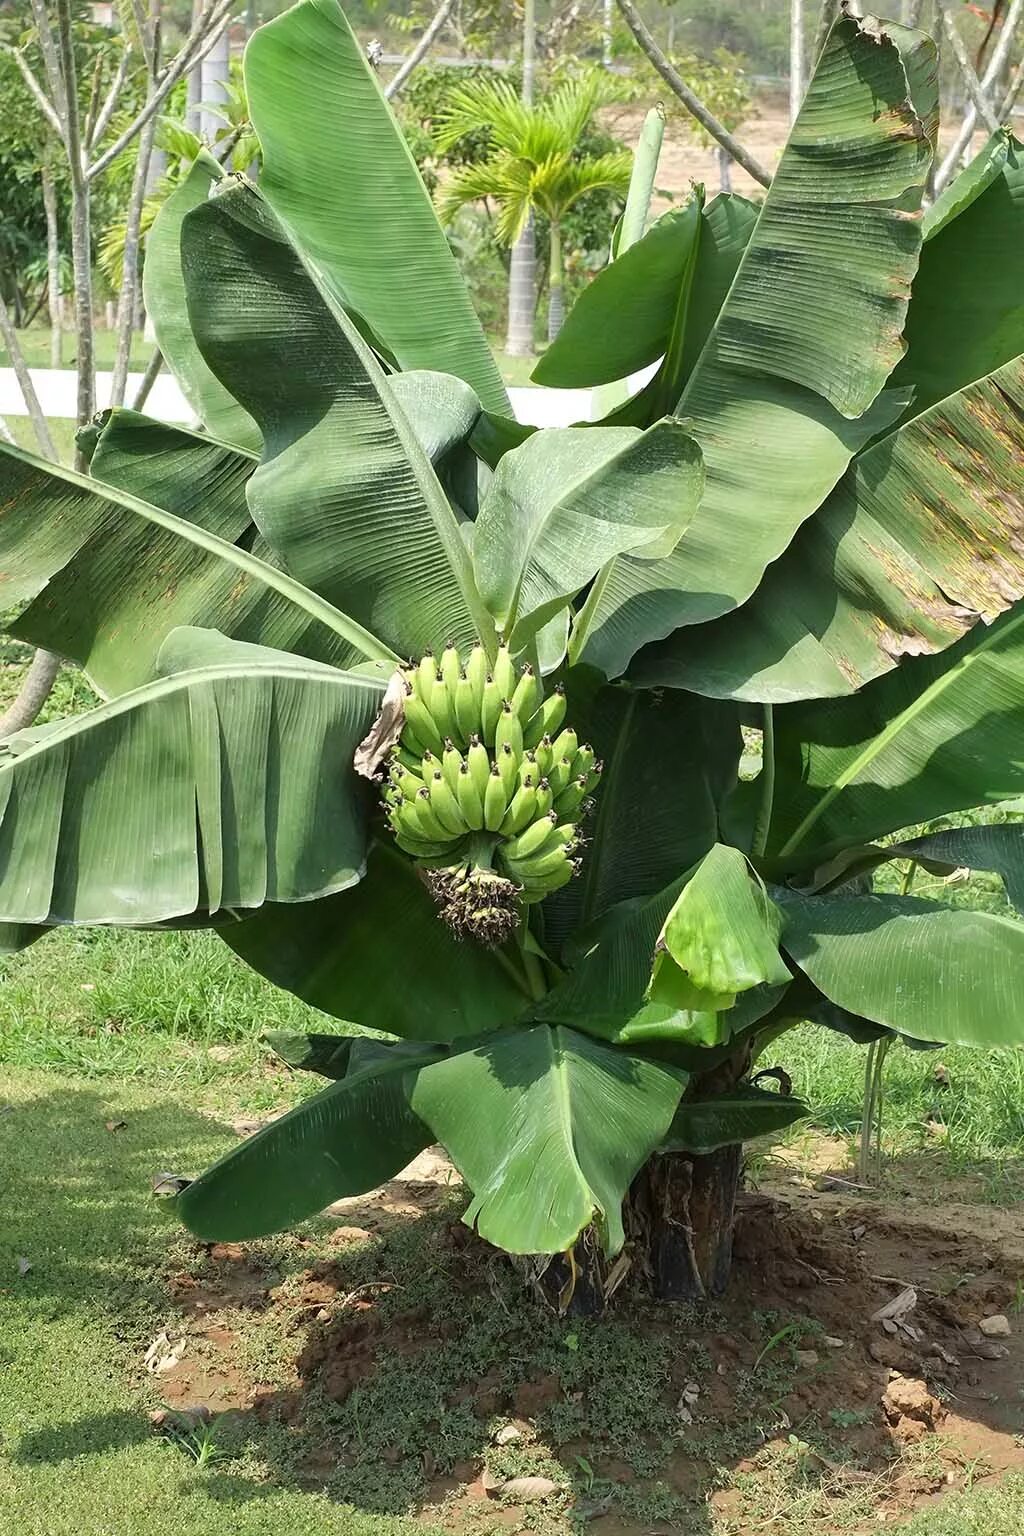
[
  {"x": 77, "y": 1457},
  {"x": 62, "y": 433},
  {"x": 35, "y": 344}
]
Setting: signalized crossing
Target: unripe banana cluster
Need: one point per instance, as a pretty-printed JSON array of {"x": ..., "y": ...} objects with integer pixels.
[{"x": 486, "y": 785}]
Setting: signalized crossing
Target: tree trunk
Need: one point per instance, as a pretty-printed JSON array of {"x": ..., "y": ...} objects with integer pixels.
[
  {"x": 556, "y": 299},
  {"x": 52, "y": 268},
  {"x": 215, "y": 74},
  {"x": 522, "y": 295},
  {"x": 796, "y": 57},
  {"x": 724, "y": 170},
  {"x": 681, "y": 1211},
  {"x": 126, "y": 304}
]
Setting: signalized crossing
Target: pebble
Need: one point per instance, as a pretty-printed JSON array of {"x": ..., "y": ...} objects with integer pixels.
[
  {"x": 806, "y": 1357},
  {"x": 997, "y": 1327}
]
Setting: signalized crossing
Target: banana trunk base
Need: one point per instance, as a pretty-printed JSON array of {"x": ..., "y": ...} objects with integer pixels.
[{"x": 679, "y": 1227}]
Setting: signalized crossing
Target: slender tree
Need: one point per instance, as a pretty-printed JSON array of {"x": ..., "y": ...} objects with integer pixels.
[
  {"x": 535, "y": 167},
  {"x": 522, "y": 273}
]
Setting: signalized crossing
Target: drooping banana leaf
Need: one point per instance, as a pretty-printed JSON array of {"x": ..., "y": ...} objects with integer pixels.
[
  {"x": 350, "y": 1138},
  {"x": 339, "y": 174},
  {"x": 164, "y": 291},
  {"x": 379, "y": 957},
  {"x": 966, "y": 314},
  {"x": 940, "y": 734},
  {"x": 344, "y": 493},
  {"x": 998, "y": 848},
  {"x": 700, "y": 1126},
  {"x": 548, "y": 1129},
  {"x": 204, "y": 789},
  {"x": 112, "y": 575},
  {"x": 786, "y": 389},
  {"x": 569, "y": 500},
  {"x": 720, "y": 938},
  {"x": 913, "y": 547},
  {"x": 622, "y": 319},
  {"x": 921, "y": 969},
  {"x": 656, "y": 811},
  {"x": 326, "y": 1055}
]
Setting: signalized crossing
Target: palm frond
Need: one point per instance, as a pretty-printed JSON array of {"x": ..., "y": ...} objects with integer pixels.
[
  {"x": 560, "y": 181},
  {"x": 505, "y": 180}
]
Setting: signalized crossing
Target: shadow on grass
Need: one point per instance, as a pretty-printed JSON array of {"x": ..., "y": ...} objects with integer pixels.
[{"x": 387, "y": 1369}]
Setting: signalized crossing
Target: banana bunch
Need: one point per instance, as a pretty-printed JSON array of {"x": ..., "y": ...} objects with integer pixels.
[{"x": 486, "y": 786}]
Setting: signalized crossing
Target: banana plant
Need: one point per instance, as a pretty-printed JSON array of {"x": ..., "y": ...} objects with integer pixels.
[{"x": 368, "y": 650}]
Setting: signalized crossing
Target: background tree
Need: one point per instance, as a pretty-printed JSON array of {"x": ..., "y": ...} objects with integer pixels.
[{"x": 534, "y": 166}]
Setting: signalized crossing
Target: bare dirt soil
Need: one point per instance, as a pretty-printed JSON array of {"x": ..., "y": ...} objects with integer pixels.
[{"x": 791, "y": 1389}]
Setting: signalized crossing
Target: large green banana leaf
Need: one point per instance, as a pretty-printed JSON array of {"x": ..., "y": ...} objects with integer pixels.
[
  {"x": 656, "y": 809},
  {"x": 164, "y": 290},
  {"x": 966, "y": 315},
  {"x": 567, "y": 502},
  {"x": 923, "y": 970},
  {"x": 548, "y": 1129},
  {"x": 913, "y": 547},
  {"x": 207, "y": 788},
  {"x": 700, "y": 1126},
  {"x": 663, "y": 304},
  {"x": 351, "y": 1137},
  {"x": 782, "y": 395},
  {"x": 340, "y": 176},
  {"x": 345, "y": 493},
  {"x": 113, "y": 575},
  {"x": 379, "y": 957},
  {"x": 998, "y": 848},
  {"x": 940, "y": 734}
]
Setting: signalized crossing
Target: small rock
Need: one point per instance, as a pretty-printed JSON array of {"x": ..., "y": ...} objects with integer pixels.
[
  {"x": 858, "y": 1233},
  {"x": 805, "y": 1358},
  {"x": 906, "y": 1398},
  {"x": 341, "y": 1237},
  {"x": 528, "y": 1490},
  {"x": 508, "y": 1434},
  {"x": 983, "y": 1348},
  {"x": 997, "y": 1327},
  {"x": 830, "y": 1342},
  {"x": 691, "y": 1392},
  {"x": 222, "y": 1053}
]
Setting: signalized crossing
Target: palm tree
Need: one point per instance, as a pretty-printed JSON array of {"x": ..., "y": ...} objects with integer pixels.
[{"x": 535, "y": 166}]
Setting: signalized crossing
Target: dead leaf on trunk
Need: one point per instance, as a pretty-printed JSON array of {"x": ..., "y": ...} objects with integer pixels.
[{"x": 384, "y": 731}]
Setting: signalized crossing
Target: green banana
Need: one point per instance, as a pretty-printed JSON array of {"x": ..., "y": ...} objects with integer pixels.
[
  {"x": 451, "y": 762},
  {"x": 526, "y": 696},
  {"x": 476, "y": 671},
  {"x": 490, "y": 709},
  {"x": 442, "y": 710},
  {"x": 532, "y": 840},
  {"x": 450, "y": 669},
  {"x": 421, "y": 721},
  {"x": 520, "y": 811},
  {"x": 479, "y": 764},
  {"x": 543, "y": 753},
  {"x": 507, "y": 765},
  {"x": 541, "y": 866},
  {"x": 548, "y": 717},
  {"x": 565, "y": 744},
  {"x": 509, "y": 729},
  {"x": 504, "y": 672},
  {"x": 559, "y": 776},
  {"x": 426, "y": 672},
  {"x": 495, "y": 801},
  {"x": 545, "y": 799},
  {"x": 467, "y": 711},
  {"x": 529, "y": 772},
  {"x": 470, "y": 801},
  {"x": 445, "y": 806},
  {"x": 433, "y": 827},
  {"x": 570, "y": 799},
  {"x": 583, "y": 762}
]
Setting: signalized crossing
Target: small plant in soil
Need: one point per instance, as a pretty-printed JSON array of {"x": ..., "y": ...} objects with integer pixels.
[{"x": 369, "y": 648}]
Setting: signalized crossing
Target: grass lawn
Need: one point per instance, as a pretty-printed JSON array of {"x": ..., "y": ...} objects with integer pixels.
[{"x": 35, "y": 344}]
